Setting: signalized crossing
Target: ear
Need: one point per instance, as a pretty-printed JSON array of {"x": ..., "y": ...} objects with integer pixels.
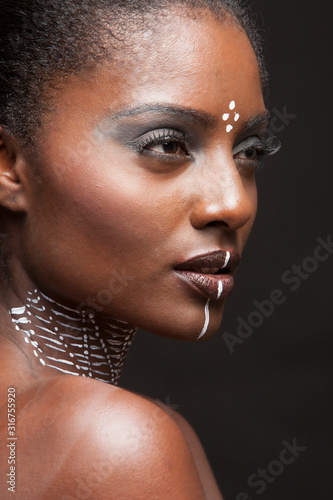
[{"x": 12, "y": 193}]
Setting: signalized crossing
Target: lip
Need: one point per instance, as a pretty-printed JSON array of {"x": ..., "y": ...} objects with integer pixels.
[{"x": 207, "y": 283}]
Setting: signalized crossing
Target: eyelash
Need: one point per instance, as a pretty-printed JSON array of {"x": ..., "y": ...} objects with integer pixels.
[
  {"x": 263, "y": 147},
  {"x": 159, "y": 137}
]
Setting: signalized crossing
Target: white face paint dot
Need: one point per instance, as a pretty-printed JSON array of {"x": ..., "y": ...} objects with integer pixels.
[
  {"x": 35, "y": 353},
  {"x": 232, "y": 105},
  {"x": 229, "y": 128},
  {"x": 225, "y": 116},
  {"x": 27, "y": 340},
  {"x": 237, "y": 115},
  {"x": 42, "y": 361}
]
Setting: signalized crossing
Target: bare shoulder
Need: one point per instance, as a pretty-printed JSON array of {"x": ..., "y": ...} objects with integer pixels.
[{"x": 90, "y": 440}]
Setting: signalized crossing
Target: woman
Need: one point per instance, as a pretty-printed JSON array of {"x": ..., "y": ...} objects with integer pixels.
[{"x": 130, "y": 136}]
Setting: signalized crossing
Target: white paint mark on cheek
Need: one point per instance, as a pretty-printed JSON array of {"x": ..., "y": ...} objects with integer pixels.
[
  {"x": 232, "y": 105},
  {"x": 229, "y": 128},
  {"x": 204, "y": 330},
  {"x": 225, "y": 116},
  {"x": 237, "y": 116}
]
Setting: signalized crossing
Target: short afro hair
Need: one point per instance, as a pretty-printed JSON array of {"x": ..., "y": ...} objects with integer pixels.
[{"x": 44, "y": 41}]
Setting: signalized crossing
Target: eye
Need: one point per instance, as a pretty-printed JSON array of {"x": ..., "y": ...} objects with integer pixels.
[
  {"x": 253, "y": 150},
  {"x": 169, "y": 147},
  {"x": 164, "y": 144},
  {"x": 251, "y": 154}
]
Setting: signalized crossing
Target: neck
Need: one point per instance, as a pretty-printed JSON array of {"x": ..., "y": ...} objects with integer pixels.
[{"x": 72, "y": 341}]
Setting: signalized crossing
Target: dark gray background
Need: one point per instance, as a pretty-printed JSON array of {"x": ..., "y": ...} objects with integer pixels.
[{"x": 275, "y": 386}]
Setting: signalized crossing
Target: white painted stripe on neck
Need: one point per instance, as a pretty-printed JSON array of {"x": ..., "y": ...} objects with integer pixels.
[
  {"x": 59, "y": 360},
  {"x": 62, "y": 370},
  {"x": 18, "y": 310},
  {"x": 60, "y": 305}
]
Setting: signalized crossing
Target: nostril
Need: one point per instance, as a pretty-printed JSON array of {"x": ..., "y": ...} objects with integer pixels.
[{"x": 217, "y": 223}]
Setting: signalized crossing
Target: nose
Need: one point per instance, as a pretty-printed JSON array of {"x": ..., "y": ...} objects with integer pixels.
[{"x": 225, "y": 198}]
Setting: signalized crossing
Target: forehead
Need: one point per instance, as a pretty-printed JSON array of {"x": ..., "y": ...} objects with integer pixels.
[
  {"x": 193, "y": 54},
  {"x": 200, "y": 62}
]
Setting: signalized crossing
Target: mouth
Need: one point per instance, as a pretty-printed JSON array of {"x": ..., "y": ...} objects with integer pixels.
[{"x": 211, "y": 275}]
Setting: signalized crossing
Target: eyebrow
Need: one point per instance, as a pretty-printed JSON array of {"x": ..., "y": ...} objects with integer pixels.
[
  {"x": 197, "y": 117},
  {"x": 192, "y": 115},
  {"x": 255, "y": 121}
]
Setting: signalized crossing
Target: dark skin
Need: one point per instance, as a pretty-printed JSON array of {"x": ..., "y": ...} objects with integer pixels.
[{"x": 124, "y": 209}]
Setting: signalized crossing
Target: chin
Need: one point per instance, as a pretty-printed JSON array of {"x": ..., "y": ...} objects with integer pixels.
[{"x": 190, "y": 327}]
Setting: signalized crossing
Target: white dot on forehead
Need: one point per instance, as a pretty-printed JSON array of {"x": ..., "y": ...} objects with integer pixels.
[
  {"x": 232, "y": 105},
  {"x": 237, "y": 115},
  {"x": 225, "y": 116},
  {"x": 229, "y": 128}
]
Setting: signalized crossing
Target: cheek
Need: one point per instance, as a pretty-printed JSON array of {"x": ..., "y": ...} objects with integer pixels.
[{"x": 96, "y": 215}]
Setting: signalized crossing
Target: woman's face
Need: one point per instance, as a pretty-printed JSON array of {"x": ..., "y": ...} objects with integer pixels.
[{"x": 137, "y": 175}]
